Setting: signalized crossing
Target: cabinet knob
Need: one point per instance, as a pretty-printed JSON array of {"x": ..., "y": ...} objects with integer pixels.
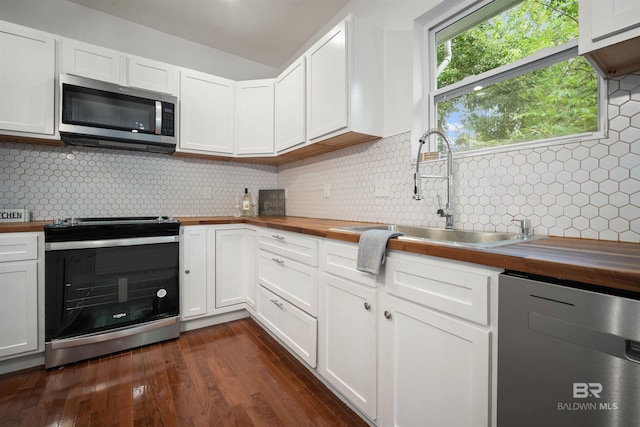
[
  {"x": 187, "y": 272},
  {"x": 387, "y": 315},
  {"x": 367, "y": 306}
]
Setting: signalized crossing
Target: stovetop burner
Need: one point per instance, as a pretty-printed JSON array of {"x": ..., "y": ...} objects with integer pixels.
[{"x": 76, "y": 229}]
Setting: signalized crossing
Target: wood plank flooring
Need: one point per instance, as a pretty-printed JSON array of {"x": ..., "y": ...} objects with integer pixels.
[{"x": 233, "y": 374}]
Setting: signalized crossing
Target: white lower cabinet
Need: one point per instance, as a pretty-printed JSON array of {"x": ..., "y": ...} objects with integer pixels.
[
  {"x": 218, "y": 270},
  {"x": 235, "y": 265},
  {"x": 194, "y": 284},
  {"x": 21, "y": 291},
  {"x": 287, "y": 301},
  {"x": 434, "y": 370},
  {"x": 348, "y": 340},
  {"x": 437, "y": 356},
  {"x": 293, "y": 326},
  {"x": 18, "y": 305}
]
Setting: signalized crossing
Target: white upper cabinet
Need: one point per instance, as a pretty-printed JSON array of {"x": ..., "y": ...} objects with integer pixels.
[
  {"x": 290, "y": 106},
  {"x": 27, "y": 80},
  {"x": 345, "y": 82},
  {"x": 152, "y": 75},
  {"x": 99, "y": 63},
  {"x": 254, "y": 117},
  {"x": 206, "y": 113},
  {"x": 328, "y": 83},
  {"x": 94, "y": 62},
  {"x": 610, "y": 34}
]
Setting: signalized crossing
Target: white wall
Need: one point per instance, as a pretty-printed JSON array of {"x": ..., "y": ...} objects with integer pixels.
[
  {"x": 81, "y": 23},
  {"x": 398, "y": 51}
]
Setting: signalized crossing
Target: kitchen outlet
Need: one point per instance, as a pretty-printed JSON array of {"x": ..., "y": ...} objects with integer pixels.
[
  {"x": 327, "y": 190},
  {"x": 206, "y": 192},
  {"x": 286, "y": 193},
  {"x": 382, "y": 188}
]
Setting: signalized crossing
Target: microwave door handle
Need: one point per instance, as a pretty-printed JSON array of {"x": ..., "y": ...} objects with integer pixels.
[{"x": 158, "y": 118}]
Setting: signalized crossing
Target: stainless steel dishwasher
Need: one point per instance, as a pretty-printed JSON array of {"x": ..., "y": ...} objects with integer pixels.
[{"x": 568, "y": 354}]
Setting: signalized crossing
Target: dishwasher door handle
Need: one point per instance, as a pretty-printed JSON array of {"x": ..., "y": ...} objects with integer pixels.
[
  {"x": 632, "y": 351},
  {"x": 603, "y": 342}
]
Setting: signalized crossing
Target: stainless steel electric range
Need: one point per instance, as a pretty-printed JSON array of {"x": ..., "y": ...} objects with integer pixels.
[{"x": 110, "y": 284}]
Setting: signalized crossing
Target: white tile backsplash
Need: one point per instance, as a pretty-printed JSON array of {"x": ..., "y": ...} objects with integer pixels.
[
  {"x": 589, "y": 189},
  {"x": 55, "y": 182}
]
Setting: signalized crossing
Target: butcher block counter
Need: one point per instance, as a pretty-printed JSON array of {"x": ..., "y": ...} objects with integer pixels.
[{"x": 604, "y": 263}]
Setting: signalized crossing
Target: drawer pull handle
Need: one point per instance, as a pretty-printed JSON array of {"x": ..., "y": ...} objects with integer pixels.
[
  {"x": 387, "y": 315},
  {"x": 367, "y": 306},
  {"x": 276, "y": 302},
  {"x": 277, "y": 236},
  {"x": 279, "y": 261},
  {"x": 187, "y": 272}
]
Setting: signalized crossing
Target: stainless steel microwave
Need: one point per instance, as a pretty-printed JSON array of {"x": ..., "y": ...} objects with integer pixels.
[{"x": 106, "y": 115}]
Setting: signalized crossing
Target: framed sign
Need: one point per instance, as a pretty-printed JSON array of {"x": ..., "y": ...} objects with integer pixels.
[{"x": 271, "y": 203}]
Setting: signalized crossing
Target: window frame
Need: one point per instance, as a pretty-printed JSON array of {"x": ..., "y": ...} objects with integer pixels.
[{"x": 426, "y": 92}]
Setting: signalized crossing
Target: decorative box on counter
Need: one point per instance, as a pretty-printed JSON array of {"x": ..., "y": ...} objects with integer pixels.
[
  {"x": 15, "y": 215},
  {"x": 271, "y": 203}
]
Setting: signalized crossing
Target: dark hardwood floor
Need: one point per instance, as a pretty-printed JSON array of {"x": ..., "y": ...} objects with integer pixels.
[{"x": 233, "y": 374}]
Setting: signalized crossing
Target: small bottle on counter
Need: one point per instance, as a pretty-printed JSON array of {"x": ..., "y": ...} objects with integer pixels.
[{"x": 246, "y": 203}]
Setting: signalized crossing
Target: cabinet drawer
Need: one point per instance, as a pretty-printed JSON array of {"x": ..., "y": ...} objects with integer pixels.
[
  {"x": 340, "y": 259},
  {"x": 18, "y": 246},
  {"x": 297, "y": 329},
  {"x": 452, "y": 287},
  {"x": 292, "y": 246},
  {"x": 296, "y": 282}
]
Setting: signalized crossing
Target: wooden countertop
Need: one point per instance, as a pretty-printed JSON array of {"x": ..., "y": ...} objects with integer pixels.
[{"x": 611, "y": 264}]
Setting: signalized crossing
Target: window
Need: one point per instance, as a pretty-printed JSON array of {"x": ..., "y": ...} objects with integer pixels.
[{"x": 508, "y": 72}]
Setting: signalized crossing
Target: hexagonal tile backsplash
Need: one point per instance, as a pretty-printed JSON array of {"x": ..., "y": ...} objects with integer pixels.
[
  {"x": 55, "y": 182},
  {"x": 589, "y": 189}
]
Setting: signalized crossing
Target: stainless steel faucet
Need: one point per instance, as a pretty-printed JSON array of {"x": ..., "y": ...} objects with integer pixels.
[{"x": 447, "y": 211}]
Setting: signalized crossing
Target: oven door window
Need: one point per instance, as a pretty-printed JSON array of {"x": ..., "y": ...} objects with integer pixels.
[{"x": 106, "y": 288}]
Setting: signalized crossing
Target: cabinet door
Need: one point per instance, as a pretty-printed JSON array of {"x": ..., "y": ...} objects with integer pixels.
[
  {"x": 151, "y": 75},
  {"x": 94, "y": 62},
  {"x": 254, "y": 117},
  {"x": 434, "y": 370},
  {"x": 348, "y": 343},
  {"x": 251, "y": 255},
  {"x": 328, "y": 83},
  {"x": 206, "y": 113},
  {"x": 612, "y": 17},
  {"x": 231, "y": 267},
  {"x": 18, "y": 307},
  {"x": 27, "y": 79},
  {"x": 193, "y": 298},
  {"x": 290, "y": 106}
]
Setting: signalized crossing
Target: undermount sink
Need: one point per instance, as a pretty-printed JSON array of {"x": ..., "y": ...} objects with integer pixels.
[{"x": 477, "y": 239}]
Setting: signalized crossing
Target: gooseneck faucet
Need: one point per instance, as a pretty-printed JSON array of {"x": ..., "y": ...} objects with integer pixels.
[{"x": 447, "y": 212}]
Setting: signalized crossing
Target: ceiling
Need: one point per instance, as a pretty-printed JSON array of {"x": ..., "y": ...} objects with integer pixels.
[{"x": 269, "y": 32}]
